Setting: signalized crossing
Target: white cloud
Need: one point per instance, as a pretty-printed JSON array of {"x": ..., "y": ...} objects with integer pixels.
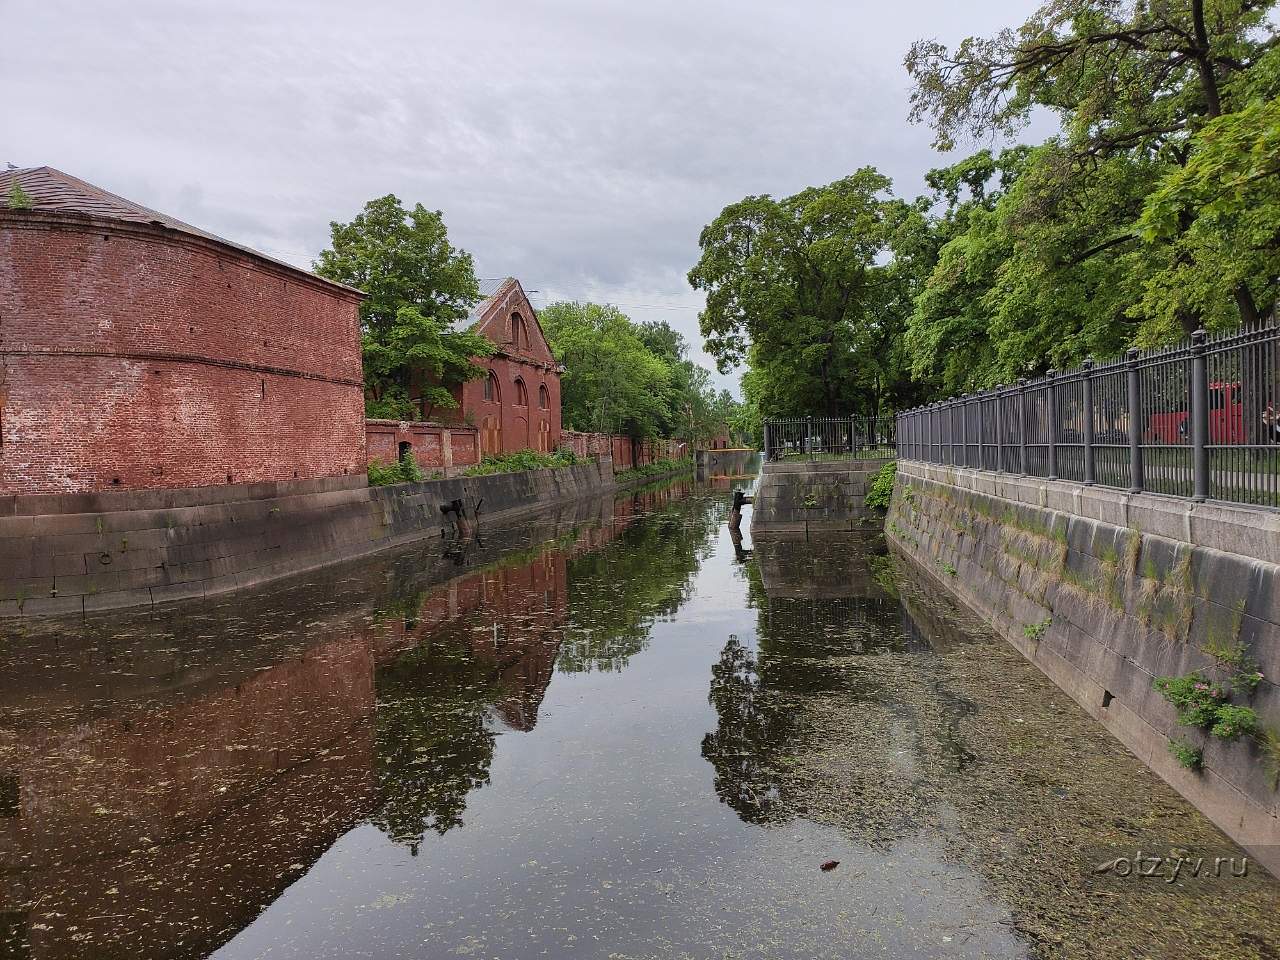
[{"x": 580, "y": 145}]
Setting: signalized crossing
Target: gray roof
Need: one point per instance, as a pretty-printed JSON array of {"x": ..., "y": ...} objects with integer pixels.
[
  {"x": 488, "y": 290},
  {"x": 57, "y": 192}
]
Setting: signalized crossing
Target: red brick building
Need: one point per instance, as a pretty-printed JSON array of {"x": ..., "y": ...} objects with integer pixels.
[
  {"x": 138, "y": 351},
  {"x": 517, "y": 407}
]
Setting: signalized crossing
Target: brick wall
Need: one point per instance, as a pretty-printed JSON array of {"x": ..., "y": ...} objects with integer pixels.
[
  {"x": 135, "y": 356},
  {"x": 505, "y": 424}
]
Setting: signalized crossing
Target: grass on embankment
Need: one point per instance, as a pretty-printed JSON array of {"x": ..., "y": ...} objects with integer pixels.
[{"x": 408, "y": 471}]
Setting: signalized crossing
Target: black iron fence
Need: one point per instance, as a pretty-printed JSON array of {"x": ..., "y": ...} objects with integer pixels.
[
  {"x": 830, "y": 438},
  {"x": 1197, "y": 421}
]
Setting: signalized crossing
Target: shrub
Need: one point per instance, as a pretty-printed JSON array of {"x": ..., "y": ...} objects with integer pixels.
[
  {"x": 18, "y": 198},
  {"x": 1205, "y": 705},
  {"x": 1195, "y": 698},
  {"x": 405, "y": 470},
  {"x": 1190, "y": 757},
  {"x": 1035, "y": 631},
  {"x": 1232, "y": 721},
  {"x": 880, "y": 491}
]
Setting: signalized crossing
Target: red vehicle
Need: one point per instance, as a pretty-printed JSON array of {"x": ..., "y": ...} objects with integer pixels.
[{"x": 1226, "y": 419}]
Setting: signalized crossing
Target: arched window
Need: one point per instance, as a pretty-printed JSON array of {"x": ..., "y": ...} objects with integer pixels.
[
  {"x": 519, "y": 333},
  {"x": 544, "y": 399},
  {"x": 522, "y": 395},
  {"x": 491, "y": 392}
]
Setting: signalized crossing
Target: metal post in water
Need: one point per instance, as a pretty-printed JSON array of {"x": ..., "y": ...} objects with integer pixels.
[
  {"x": 1199, "y": 418},
  {"x": 1135, "y": 421},
  {"x": 1086, "y": 392}
]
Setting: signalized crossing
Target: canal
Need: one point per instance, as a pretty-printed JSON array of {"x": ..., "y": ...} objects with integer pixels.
[{"x": 615, "y": 732}]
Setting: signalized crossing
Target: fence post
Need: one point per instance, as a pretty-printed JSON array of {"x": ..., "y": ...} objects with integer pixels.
[
  {"x": 1022, "y": 427},
  {"x": 982, "y": 435},
  {"x": 999, "y": 425},
  {"x": 768, "y": 450},
  {"x": 1136, "y": 479},
  {"x": 1051, "y": 378},
  {"x": 1086, "y": 394},
  {"x": 1199, "y": 418},
  {"x": 963, "y": 407}
]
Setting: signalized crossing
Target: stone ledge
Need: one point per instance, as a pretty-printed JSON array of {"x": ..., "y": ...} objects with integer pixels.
[{"x": 1239, "y": 529}]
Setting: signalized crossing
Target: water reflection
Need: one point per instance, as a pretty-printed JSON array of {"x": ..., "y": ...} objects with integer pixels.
[
  {"x": 164, "y": 777},
  {"x": 870, "y": 703},
  {"x": 614, "y": 732}
]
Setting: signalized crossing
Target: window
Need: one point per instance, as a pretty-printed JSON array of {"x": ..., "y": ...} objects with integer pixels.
[
  {"x": 519, "y": 333},
  {"x": 491, "y": 392},
  {"x": 544, "y": 399},
  {"x": 522, "y": 395}
]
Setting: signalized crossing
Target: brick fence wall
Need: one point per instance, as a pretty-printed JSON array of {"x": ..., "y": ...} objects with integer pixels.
[
  {"x": 134, "y": 356},
  {"x": 626, "y": 454},
  {"x": 435, "y": 446}
]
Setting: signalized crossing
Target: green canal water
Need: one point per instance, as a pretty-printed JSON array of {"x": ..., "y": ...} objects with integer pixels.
[{"x": 616, "y": 732}]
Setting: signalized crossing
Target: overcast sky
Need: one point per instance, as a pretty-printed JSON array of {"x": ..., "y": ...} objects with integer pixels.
[{"x": 580, "y": 145}]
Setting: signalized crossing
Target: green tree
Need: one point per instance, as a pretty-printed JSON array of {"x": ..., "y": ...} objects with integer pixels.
[
  {"x": 418, "y": 288},
  {"x": 612, "y": 383},
  {"x": 1133, "y": 83},
  {"x": 796, "y": 288}
]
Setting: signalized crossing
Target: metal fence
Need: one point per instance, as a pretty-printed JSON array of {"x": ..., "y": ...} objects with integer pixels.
[
  {"x": 1197, "y": 421},
  {"x": 830, "y": 438}
]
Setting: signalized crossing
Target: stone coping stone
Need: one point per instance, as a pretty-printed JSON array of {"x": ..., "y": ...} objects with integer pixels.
[{"x": 1241, "y": 529}]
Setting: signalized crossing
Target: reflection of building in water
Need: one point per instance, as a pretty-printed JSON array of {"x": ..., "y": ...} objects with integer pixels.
[{"x": 164, "y": 776}]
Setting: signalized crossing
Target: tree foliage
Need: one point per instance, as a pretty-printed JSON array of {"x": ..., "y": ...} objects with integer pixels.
[
  {"x": 1140, "y": 89},
  {"x": 796, "y": 288},
  {"x": 418, "y": 288},
  {"x": 629, "y": 378},
  {"x": 612, "y": 383}
]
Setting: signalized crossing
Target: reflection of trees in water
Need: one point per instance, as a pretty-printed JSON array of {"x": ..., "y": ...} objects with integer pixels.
[
  {"x": 752, "y": 727},
  {"x": 433, "y": 738},
  {"x": 616, "y": 593}
]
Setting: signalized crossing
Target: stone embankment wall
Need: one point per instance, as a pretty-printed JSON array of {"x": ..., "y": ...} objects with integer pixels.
[
  {"x": 1106, "y": 591},
  {"x": 80, "y": 553},
  {"x": 794, "y": 496}
]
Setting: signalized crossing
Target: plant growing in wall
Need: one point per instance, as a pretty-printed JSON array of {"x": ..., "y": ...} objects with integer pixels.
[
  {"x": 1191, "y": 757},
  {"x": 18, "y": 199},
  {"x": 880, "y": 490},
  {"x": 1036, "y": 631},
  {"x": 1207, "y": 705}
]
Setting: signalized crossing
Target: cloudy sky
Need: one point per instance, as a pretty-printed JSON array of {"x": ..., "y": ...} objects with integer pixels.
[{"x": 579, "y": 145}]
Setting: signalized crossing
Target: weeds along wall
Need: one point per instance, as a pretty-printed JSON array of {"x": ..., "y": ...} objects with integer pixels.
[{"x": 1113, "y": 595}]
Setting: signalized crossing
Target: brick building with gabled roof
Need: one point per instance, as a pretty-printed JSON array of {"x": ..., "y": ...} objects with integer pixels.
[{"x": 517, "y": 407}]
